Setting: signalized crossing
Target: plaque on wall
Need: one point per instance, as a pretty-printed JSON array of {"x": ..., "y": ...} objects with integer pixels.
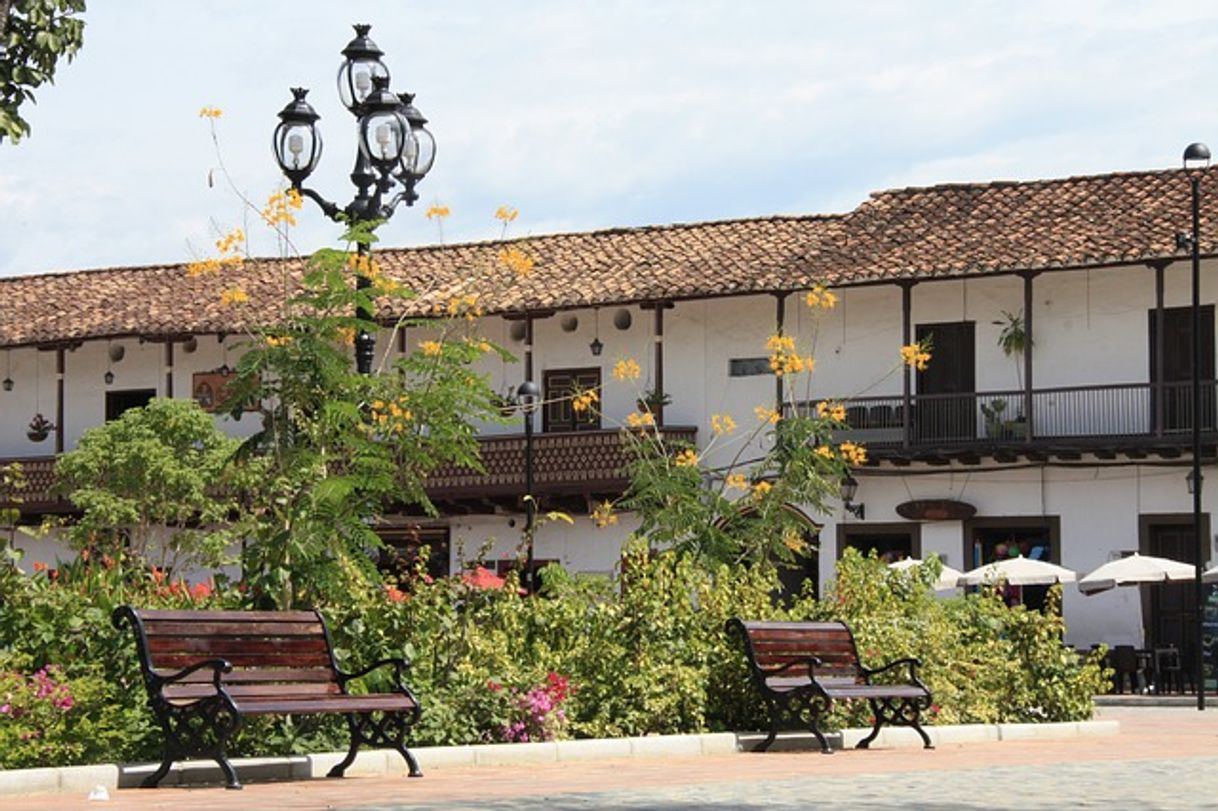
[
  {"x": 936, "y": 509},
  {"x": 210, "y": 389}
]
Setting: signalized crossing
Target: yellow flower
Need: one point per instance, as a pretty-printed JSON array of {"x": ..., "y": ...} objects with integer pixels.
[
  {"x": 345, "y": 335},
  {"x": 833, "y": 411},
  {"x": 783, "y": 358},
  {"x": 280, "y": 340},
  {"x": 437, "y": 211},
  {"x": 825, "y": 451},
  {"x": 506, "y": 214},
  {"x": 516, "y": 260},
  {"x": 760, "y": 489},
  {"x": 780, "y": 343},
  {"x": 737, "y": 481},
  {"x": 765, "y": 414},
  {"x": 210, "y": 112},
  {"x": 234, "y": 295},
  {"x": 603, "y": 515},
  {"x": 637, "y": 420},
  {"x": 915, "y": 355},
  {"x": 722, "y": 424},
  {"x": 854, "y": 454},
  {"x": 794, "y": 542},
  {"x": 626, "y": 369},
  {"x": 820, "y": 298},
  {"x": 582, "y": 401},
  {"x": 430, "y": 348},
  {"x": 279, "y": 207},
  {"x": 687, "y": 458}
]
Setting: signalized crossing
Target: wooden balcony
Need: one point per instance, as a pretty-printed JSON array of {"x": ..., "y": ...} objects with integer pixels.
[
  {"x": 564, "y": 463},
  {"x": 1133, "y": 419}
]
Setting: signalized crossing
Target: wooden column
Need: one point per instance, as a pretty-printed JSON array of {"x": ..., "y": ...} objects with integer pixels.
[
  {"x": 1027, "y": 354},
  {"x": 528, "y": 346},
  {"x": 780, "y": 312},
  {"x": 59, "y": 367},
  {"x": 169, "y": 368},
  {"x": 1160, "y": 358},
  {"x": 658, "y": 337},
  {"x": 907, "y": 376}
]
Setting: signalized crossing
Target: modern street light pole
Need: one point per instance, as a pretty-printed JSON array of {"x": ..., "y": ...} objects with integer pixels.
[
  {"x": 395, "y": 149},
  {"x": 528, "y": 395},
  {"x": 1196, "y": 157}
]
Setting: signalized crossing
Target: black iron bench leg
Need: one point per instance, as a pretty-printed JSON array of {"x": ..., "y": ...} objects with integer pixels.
[
  {"x": 877, "y": 721},
  {"x": 230, "y": 774},
  {"x": 156, "y": 777},
  {"x": 356, "y": 739},
  {"x": 817, "y": 706},
  {"x": 770, "y": 738}
]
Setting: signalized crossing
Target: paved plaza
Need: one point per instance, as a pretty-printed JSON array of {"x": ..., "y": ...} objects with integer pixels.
[{"x": 1164, "y": 758}]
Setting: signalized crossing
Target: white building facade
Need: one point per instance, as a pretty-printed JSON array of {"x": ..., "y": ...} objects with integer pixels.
[{"x": 1075, "y": 451}]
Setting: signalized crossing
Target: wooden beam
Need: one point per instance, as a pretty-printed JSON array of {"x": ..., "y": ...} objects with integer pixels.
[
  {"x": 1068, "y": 455},
  {"x": 780, "y": 311},
  {"x": 970, "y": 458},
  {"x": 1006, "y": 457},
  {"x": 907, "y": 372},
  {"x": 59, "y": 405},
  {"x": 1027, "y": 354}
]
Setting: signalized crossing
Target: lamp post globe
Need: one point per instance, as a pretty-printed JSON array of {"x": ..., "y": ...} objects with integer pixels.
[
  {"x": 390, "y": 153},
  {"x": 297, "y": 142},
  {"x": 358, "y": 73}
]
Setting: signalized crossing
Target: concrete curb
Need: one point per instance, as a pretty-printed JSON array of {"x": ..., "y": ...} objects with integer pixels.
[{"x": 82, "y": 779}]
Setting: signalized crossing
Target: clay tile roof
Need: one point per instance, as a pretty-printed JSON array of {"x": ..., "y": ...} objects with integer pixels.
[{"x": 933, "y": 232}]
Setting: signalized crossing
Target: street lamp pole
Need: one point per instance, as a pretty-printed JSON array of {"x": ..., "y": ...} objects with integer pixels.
[
  {"x": 1197, "y": 156},
  {"x": 528, "y": 395},
  {"x": 395, "y": 150}
]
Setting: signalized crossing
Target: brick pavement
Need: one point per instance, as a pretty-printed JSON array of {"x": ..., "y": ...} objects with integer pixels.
[{"x": 1163, "y": 758}]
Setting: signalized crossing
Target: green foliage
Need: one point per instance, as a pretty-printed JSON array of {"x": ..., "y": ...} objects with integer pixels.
[
  {"x": 157, "y": 472},
  {"x": 34, "y": 36},
  {"x": 338, "y": 447}
]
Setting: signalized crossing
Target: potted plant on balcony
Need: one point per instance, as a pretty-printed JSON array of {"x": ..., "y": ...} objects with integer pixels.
[
  {"x": 1014, "y": 341},
  {"x": 39, "y": 428},
  {"x": 651, "y": 400},
  {"x": 996, "y": 424}
]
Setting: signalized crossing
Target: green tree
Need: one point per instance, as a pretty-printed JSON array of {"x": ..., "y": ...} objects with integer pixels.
[
  {"x": 34, "y": 36},
  {"x": 153, "y": 485}
]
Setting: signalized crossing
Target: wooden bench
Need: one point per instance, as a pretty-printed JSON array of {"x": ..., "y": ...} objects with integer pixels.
[
  {"x": 205, "y": 671},
  {"x": 801, "y": 667}
]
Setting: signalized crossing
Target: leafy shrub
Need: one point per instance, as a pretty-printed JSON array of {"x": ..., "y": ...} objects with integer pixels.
[{"x": 645, "y": 653}]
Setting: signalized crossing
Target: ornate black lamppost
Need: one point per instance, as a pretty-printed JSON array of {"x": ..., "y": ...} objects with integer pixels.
[
  {"x": 1197, "y": 157},
  {"x": 528, "y": 397},
  {"x": 395, "y": 150}
]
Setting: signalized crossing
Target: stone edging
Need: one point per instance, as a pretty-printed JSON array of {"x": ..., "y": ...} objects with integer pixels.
[{"x": 82, "y": 779}]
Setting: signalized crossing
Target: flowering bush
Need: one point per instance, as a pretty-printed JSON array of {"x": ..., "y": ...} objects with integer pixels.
[{"x": 538, "y": 712}]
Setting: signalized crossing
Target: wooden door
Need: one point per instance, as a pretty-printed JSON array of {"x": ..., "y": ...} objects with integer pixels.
[
  {"x": 1173, "y": 605},
  {"x": 951, "y": 377},
  {"x": 1178, "y": 367},
  {"x": 560, "y": 386}
]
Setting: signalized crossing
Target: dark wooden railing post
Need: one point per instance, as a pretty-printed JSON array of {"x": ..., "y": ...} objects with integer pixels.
[
  {"x": 169, "y": 368},
  {"x": 907, "y": 375},
  {"x": 780, "y": 312},
  {"x": 1027, "y": 354},
  {"x": 1157, "y": 383},
  {"x": 59, "y": 409}
]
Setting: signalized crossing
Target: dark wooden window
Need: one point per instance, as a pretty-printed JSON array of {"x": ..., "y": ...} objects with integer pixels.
[
  {"x": 988, "y": 540},
  {"x": 890, "y": 542},
  {"x": 403, "y": 544},
  {"x": 748, "y": 367},
  {"x": 560, "y": 385},
  {"x": 125, "y": 399}
]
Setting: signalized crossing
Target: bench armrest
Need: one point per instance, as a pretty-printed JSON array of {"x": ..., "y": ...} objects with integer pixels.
[
  {"x": 811, "y": 662},
  {"x": 219, "y": 667},
  {"x": 400, "y": 665},
  {"x": 910, "y": 661}
]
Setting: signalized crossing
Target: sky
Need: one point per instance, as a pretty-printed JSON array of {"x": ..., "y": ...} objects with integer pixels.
[{"x": 588, "y": 115}]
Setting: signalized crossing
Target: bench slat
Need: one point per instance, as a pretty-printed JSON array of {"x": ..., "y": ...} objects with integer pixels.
[
  {"x": 840, "y": 635},
  {"x": 258, "y": 660},
  {"x": 368, "y": 703},
  {"x": 286, "y": 691},
  {"x": 222, "y": 647},
  {"x": 226, "y": 616},
  {"x": 258, "y": 675},
  {"x": 179, "y": 628}
]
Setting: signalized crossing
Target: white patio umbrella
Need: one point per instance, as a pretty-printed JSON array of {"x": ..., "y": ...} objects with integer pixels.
[
  {"x": 1210, "y": 575},
  {"x": 1134, "y": 570},
  {"x": 1018, "y": 571},
  {"x": 947, "y": 578}
]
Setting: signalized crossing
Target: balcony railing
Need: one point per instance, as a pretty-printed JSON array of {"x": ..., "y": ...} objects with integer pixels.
[
  {"x": 1080, "y": 414},
  {"x": 563, "y": 462},
  {"x": 566, "y": 462}
]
